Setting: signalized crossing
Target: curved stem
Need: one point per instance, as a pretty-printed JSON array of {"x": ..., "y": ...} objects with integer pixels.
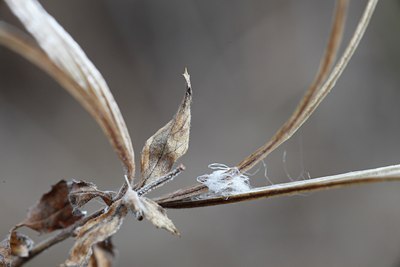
[{"x": 311, "y": 98}]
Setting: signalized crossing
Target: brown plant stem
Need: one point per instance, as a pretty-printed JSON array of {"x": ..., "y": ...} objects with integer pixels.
[
  {"x": 161, "y": 180},
  {"x": 109, "y": 119},
  {"x": 310, "y": 100},
  {"x": 188, "y": 199},
  {"x": 51, "y": 241}
]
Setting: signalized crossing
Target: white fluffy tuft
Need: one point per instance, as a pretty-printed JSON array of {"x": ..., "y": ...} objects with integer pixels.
[{"x": 225, "y": 180}]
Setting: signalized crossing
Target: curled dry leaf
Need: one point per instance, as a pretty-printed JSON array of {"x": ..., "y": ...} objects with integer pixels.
[
  {"x": 53, "y": 211},
  {"x": 103, "y": 254},
  {"x": 157, "y": 216},
  {"x": 20, "y": 244},
  {"x": 82, "y": 192},
  {"x": 144, "y": 207},
  {"x": 66, "y": 62},
  {"x": 95, "y": 231},
  {"x": 169, "y": 143},
  {"x": 14, "y": 246}
]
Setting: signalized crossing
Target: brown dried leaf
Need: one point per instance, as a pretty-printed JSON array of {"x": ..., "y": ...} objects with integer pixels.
[
  {"x": 103, "y": 254},
  {"x": 169, "y": 143},
  {"x": 144, "y": 207},
  {"x": 53, "y": 211},
  {"x": 157, "y": 215},
  {"x": 20, "y": 244},
  {"x": 66, "y": 62},
  {"x": 95, "y": 231},
  {"x": 82, "y": 192},
  {"x": 14, "y": 246}
]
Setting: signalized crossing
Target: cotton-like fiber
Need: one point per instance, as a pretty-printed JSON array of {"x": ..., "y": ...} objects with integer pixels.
[{"x": 225, "y": 180}]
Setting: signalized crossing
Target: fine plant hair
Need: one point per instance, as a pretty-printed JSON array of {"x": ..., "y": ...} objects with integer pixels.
[{"x": 48, "y": 46}]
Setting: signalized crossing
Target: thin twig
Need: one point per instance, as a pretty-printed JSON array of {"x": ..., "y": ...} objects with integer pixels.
[
  {"x": 184, "y": 193},
  {"x": 161, "y": 180},
  {"x": 61, "y": 236},
  {"x": 384, "y": 174}
]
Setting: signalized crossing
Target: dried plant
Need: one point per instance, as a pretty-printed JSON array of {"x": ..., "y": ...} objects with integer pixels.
[{"x": 52, "y": 49}]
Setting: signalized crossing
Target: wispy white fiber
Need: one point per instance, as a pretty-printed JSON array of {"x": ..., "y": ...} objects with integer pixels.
[{"x": 225, "y": 180}]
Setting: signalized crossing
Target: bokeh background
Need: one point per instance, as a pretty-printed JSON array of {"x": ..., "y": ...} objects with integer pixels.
[{"x": 250, "y": 63}]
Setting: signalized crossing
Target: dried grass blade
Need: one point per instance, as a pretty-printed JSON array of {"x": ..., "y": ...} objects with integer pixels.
[
  {"x": 66, "y": 62},
  {"x": 312, "y": 97}
]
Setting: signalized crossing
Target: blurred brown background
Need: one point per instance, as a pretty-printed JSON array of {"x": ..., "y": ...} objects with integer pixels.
[{"x": 250, "y": 63}]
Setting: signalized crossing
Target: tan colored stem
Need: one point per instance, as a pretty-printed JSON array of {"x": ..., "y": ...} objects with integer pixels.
[
  {"x": 25, "y": 46},
  {"x": 312, "y": 97},
  {"x": 61, "y": 236},
  {"x": 384, "y": 174}
]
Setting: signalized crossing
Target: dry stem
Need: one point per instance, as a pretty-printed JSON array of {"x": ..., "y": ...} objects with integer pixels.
[
  {"x": 384, "y": 174},
  {"x": 61, "y": 236},
  {"x": 63, "y": 59},
  {"x": 160, "y": 181},
  {"x": 311, "y": 98}
]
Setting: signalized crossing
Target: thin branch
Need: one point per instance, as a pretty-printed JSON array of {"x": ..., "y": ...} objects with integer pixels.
[
  {"x": 184, "y": 193},
  {"x": 160, "y": 181},
  {"x": 310, "y": 100},
  {"x": 384, "y": 174},
  {"x": 61, "y": 236}
]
